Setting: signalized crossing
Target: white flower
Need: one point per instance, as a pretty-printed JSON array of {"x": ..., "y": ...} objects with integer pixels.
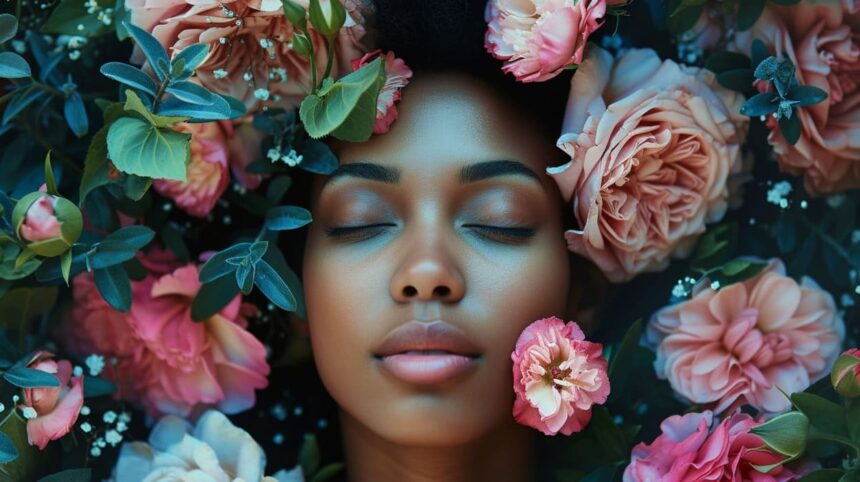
[{"x": 96, "y": 363}]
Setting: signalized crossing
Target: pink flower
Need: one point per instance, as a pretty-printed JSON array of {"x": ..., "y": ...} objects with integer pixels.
[
  {"x": 822, "y": 39},
  {"x": 243, "y": 142},
  {"x": 207, "y": 172},
  {"x": 745, "y": 342},
  {"x": 167, "y": 363},
  {"x": 537, "y": 39},
  {"x": 56, "y": 408},
  {"x": 652, "y": 145},
  {"x": 846, "y": 373},
  {"x": 397, "y": 75},
  {"x": 692, "y": 448},
  {"x": 558, "y": 376},
  {"x": 41, "y": 223},
  {"x": 250, "y": 51}
]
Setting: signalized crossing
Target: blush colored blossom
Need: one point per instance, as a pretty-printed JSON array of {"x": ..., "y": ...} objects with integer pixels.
[
  {"x": 397, "y": 75},
  {"x": 55, "y": 408},
  {"x": 558, "y": 377},
  {"x": 40, "y": 222},
  {"x": 694, "y": 448},
  {"x": 846, "y": 373},
  {"x": 745, "y": 342}
]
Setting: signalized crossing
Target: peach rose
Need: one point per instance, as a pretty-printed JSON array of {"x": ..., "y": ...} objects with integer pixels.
[
  {"x": 822, "y": 39},
  {"x": 694, "y": 448},
  {"x": 397, "y": 75},
  {"x": 538, "y": 39},
  {"x": 747, "y": 341},
  {"x": 250, "y": 51},
  {"x": 54, "y": 410},
  {"x": 558, "y": 377},
  {"x": 166, "y": 362},
  {"x": 652, "y": 146}
]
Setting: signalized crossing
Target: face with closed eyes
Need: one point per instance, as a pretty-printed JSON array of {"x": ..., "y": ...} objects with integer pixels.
[{"x": 450, "y": 217}]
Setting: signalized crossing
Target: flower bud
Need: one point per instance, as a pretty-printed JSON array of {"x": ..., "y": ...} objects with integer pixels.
[
  {"x": 49, "y": 224},
  {"x": 846, "y": 373}
]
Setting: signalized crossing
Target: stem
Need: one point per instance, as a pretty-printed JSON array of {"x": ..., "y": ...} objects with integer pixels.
[
  {"x": 158, "y": 95},
  {"x": 313, "y": 71},
  {"x": 330, "y": 54}
]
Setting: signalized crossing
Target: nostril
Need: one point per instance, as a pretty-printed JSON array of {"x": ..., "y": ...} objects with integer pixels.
[
  {"x": 410, "y": 291},
  {"x": 442, "y": 291}
]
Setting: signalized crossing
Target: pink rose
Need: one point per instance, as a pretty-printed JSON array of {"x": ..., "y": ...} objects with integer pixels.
[
  {"x": 250, "y": 51},
  {"x": 693, "y": 448},
  {"x": 652, "y": 146},
  {"x": 539, "y": 39},
  {"x": 747, "y": 341},
  {"x": 56, "y": 408},
  {"x": 397, "y": 75},
  {"x": 207, "y": 172},
  {"x": 822, "y": 39},
  {"x": 558, "y": 376},
  {"x": 243, "y": 142},
  {"x": 41, "y": 223},
  {"x": 167, "y": 363},
  {"x": 846, "y": 373}
]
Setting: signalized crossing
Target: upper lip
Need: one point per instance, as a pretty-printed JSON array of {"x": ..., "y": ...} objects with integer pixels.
[{"x": 437, "y": 335}]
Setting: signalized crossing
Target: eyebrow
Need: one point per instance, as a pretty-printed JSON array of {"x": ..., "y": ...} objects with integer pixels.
[{"x": 471, "y": 173}]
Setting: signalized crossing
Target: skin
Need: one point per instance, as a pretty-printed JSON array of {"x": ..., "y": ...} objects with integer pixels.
[{"x": 426, "y": 259}]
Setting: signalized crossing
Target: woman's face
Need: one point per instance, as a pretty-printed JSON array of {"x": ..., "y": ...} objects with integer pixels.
[{"x": 432, "y": 247}]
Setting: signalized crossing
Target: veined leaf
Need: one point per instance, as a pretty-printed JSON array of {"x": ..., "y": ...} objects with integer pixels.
[{"x": 138, "y": 147}]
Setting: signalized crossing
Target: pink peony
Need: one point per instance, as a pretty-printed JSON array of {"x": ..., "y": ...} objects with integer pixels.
[
  {"x": 166, "y": 362},
  {"x": 207, "y": 172},
  {"x": 822, "y": 39},
  {"x": 846, "y": 373},
  {"x": 56, "y": 408},
  {"x": 250, "y": 51},
  {"x": 653, "y": 145},
  {"x": 397, "y": 75},
  {"x": 538, "y": 39},
  {"x": 745, "y": 342},
  {"x": 692, "y": 448},
  {"x": 558, "y": 376},
  {"x": 41, "y": 223}
]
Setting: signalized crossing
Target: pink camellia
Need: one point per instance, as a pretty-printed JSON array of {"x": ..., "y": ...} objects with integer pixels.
[
  {"x": 538, "y": 39},
  {"x": 558, "y": 377},
  {"x": 653, "y": 146},
  {"x": 748, "y": 342},
  {"x": 693, "y": 448},
  {"x": 846, "y": 373},
  {"x": 397, "y": 75},
  {"x": 52, "y": 411},
  {"x": 166, "y": 362},
  {"x": 251, "y": 55},
  {"x": 207, "y": 173},
  {"x": 822, "y": 39},
  {"x": 41, "y": 223}
]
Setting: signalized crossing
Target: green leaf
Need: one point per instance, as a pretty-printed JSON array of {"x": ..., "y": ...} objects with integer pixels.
[
  {"x": 213, "y": 296},
  {"x": 20, "y": 305},
  {"x": 75, "y": 113},
  {"x": 151, "y": 48},
  {"x": 806, "y": 95},
  {"x": 748, "y": 12},
  {"x": 723, "y": 60},
  {"x": 295, "y": 13},
  {"x": 327, "y": 21},
  {"x": 96, "y": 165},
  {"x": 282, "y": 218},
  {"x": 50, "y": 183},
  {"x": 309, "y": 454},
  {"x": 97, "y": 387},
  {"x": 275, "y": 258},
  {"x": 824, "y": 415},
  {"x": 119, "y": 246},
  {"x": 192, "y": 56},
  {"x": 326, "y": 473},
  {"x": 8, "y": 452},
  {"x": 136, "y": 236},
  {"x": 70, "y": 17},
  {"x": 216, "y": 266},
  {"x": 66, "y": 265},
  {"x": 347, "y": 110},
  {"x": 790, "y": 128},
  {"x": 190, "y": 92},
  {"x": 610, "y": 438},
  {"x": 137, "y": 147},
  {"x": 23, "y": 97},
  {"x": 622, "y": 360},
  {"x": 317, "y": 157},
  {"x": 765, "y": 103},
  {"x": 30, "y": 378},
  {"x": 172, "y": 240},
  {"x": 684, "y": 17},
  {"x": 786, "y": 433},
  {"x": 759, "y": 52},
  {"x": 245, "y": 277},
  {"x": 824, "y": 475},
  {"x": 114, "y": 286},
  {"x": 852, "y": 416},
  {"x": 740, "y": 80},
  {"x": 70, "y": 475},
  {"x": 134, "y": 104},
  {"x": 130, "y": 76},
  {"x": 8, "y": 27},
  {"x": 275, "y": 289},
  {"x": 302, "y": 45},
  {"x": 13, "y": 66}
]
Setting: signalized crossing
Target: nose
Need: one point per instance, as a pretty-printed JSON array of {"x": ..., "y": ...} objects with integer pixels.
[{"x": 429, "y": 274}]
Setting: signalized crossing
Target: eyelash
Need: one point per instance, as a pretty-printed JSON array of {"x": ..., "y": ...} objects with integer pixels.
[{"x": 509, "y": 234}]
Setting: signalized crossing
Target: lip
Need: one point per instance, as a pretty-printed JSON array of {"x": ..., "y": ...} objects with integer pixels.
[{"x": 423, "y": 353}]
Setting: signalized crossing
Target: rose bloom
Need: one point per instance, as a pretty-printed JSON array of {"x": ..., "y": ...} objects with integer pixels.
[
  {"x": 56, "y": 408},
  {"x": 207, "y": 175},
  {"x": 538, "y": 39},
  {"x": 846, "y": 373},
  {"x": 558, "y": 377},
  {"x": 41, "y": 223},
  {"x": 693, "y": 448},
  {"x": 166, "y": 362},
  {"x": 250, "y": 54},
  {"x": 652, "y": 146},
  {"x": 213, "y": 450},
  {"x": 747, "y": 341},
  {"x": 397, "y": 75},
  {"x": 822, "y": 39}
]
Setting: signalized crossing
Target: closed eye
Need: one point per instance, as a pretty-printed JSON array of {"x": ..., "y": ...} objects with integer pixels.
[
  {"x": 357, "y": 233},
  {"x": 502, "y": 233}
]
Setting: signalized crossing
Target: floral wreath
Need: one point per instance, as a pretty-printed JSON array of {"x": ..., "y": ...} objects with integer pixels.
[{"x": 721, "y": 174}]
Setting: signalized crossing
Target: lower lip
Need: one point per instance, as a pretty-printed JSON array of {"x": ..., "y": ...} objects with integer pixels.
[{"x": 427, "y": 369}]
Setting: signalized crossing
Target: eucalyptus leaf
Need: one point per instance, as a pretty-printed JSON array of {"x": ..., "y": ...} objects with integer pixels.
[
  {"x": 317, "y": 157},
  {"x": 8, "y": 451},
  {"x": 191, "y": 93},
  {"x": 213, "y": 296},
  {"x": 219, "y": 109},
  {"x": 24, "y": 377},
  {"x": 13, "y": 66},
  {"x": 76, "y": 114},
  {"x": 807, "y": 95},
  {"x": 8, "y": 27},
  {"x": 765, "y": 103},
  {"x": 283, "y": 218},
  {"x": 130, "y": 76},
  {"x": 740, "y": 80},
  {"x": 275, "y": 289},
  {"x": 97, "y": 387},
  {"x": 216, "y": 266},
  {"x": 192, "y": 56},
  {"x": 20, "y": 100},
  {"x": 151, "y": 48},
  {"x": 748, "y": 12},
  {"x": 723, "y": 60},
  {"x": 790, "y": 128},
  {"x": 114, "y": 286}
]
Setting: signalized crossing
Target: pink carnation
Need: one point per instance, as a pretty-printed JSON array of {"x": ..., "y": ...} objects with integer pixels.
[
  {"x": 537, "y": 39},
  {"x": 56, "y": 407},
  {"x": 745, "y": 342},
  {"x": 40, "y": 222},
  {"x": 692, "y": 448},
  {"x": 558, "y": 376},
  {"x": 397, "y": 75},
  {"x": 166, "y": 362}
]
